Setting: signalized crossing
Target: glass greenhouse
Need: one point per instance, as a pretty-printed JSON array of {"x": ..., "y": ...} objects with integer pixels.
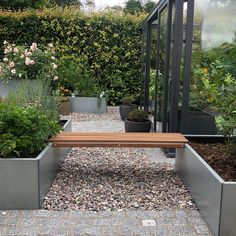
[{"x": 189, "y": 49}]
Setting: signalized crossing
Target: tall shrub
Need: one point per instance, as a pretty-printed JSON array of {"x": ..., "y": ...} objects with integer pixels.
[{"x": 112, "y": 43}]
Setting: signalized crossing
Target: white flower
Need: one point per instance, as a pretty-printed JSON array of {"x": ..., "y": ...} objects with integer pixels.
[
  {"x": 27, "y": 61},
  {"x": 12, "y": 64},
  {"x": 13, "y": 71},
  {"x": 20, "y": 75},
  {"x": 5, "y": 59},
  {"x": 55, "y": 78},
  {"x": 50, "y": 45},
  {"x": 54, "y": 66},
  {"x": 5, "y": 42},
  {"x": 15, "y": 50},
  {"x": 32, "y": 62},
  {"x": 33, "y": 47},
  {"x": 22, "y": 56},
  {"x": 53, "y": 58}
]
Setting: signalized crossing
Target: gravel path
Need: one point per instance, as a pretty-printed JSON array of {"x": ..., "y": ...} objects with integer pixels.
[
  {"x": 116, "y": 179},
  {"x": 112, "y": 114},
  {"x": 107, "y": 179}
]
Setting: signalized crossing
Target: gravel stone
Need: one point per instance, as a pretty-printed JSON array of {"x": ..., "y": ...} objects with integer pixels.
[
  {"x": 111, "y": 114},
  {"x": 115, "y": 179},
  {"x": 109, "y": 179}
]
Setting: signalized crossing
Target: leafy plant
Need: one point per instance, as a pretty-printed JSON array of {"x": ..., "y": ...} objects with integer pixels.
[
  {"x": 138, "y": 115},
  {"x": 24, "y": 131},
  {"x": 75, "y": 77},
  {"x": 37, "y": 93},
  {"x": 127, "y": 100}
]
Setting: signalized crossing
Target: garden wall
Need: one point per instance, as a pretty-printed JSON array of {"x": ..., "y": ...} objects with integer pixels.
[{"x": 110, "y": 42}]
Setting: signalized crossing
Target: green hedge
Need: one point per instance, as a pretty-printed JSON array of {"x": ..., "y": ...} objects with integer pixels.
[{"x": 111, "y": 43}]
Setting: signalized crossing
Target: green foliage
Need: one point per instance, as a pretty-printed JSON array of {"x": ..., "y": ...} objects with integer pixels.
[
  {"x": 75, "y": 76},
  {"x": 24, "y": 131},
  {"x": 110, "y": 43},
  {"x": 149, "y": 6},
  {"x": 66, "y": 3},
  {"x": 37, "y": 93},
  {"x": 21, "y": 4},
  {"x": 133, "y": 6},
  {"x": 127, "y": 100},
  {"x": 138, "y": 115}
]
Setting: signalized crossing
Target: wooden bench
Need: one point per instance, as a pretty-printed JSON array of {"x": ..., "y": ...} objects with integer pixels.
[{"x": 149, "y": 140}]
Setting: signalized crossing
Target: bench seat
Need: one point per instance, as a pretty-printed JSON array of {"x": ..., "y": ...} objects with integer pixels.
[{"x": 149, "y": 140}]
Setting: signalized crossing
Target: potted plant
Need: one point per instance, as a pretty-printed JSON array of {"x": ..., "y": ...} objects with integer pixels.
[
  {"x": 65, "y": 106},
  {"x": 28, "y": 164},
  {"x": 20, "y": 63},
  {"x": 137, "y": 121},
  {"x": 126, "y": 106}
]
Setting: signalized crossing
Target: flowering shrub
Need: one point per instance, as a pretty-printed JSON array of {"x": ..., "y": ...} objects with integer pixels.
[{"x": 28, "y": 63}]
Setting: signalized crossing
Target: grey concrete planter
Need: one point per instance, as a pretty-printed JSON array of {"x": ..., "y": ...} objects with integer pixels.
[
  {"x": 88, "y": 104},
  {"x": 11, "y": 85},
  {"x": 24, "y": 182},
  {"x": 132, "y": 126},
  {"x": 200, "y": 122},
  {"x": 214, "y": 197}
]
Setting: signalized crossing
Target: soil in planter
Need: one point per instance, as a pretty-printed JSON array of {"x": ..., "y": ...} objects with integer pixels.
[{"x": 218, "y": 157}]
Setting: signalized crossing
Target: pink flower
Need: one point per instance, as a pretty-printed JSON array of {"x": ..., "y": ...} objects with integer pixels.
[
  {"x": 15, "y": 50},
  {"x": 27, "y": 61},
  {"x": 32, "y": 62},
  {"x": 6, "y": 51},
  {"x": 27, "y": 53},
  {"x": 33, "y": 47}
]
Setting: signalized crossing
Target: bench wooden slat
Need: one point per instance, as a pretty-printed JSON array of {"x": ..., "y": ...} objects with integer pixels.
[
  {"x": 141, "y": 145},
  {"x": 75, "y": 139}
]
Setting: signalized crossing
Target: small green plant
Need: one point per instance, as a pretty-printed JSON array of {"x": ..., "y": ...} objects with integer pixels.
[
  {"x": 138, "y": 115},
  {"x": 36, "y": 93},
  {"x": 75, "y": 77},
  {"x": 24, "y": 131},
  {"x": 223, "y": 99},
  {"x": 127, "y": 100}
]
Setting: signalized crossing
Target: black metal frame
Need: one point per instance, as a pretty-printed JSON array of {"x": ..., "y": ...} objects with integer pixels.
[{"x": 170, "y": 114}]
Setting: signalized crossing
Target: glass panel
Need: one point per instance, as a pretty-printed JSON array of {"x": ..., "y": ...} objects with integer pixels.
[
  {"x": 153, "y": 63},
  {"x": 213, "y": 59},
  {"x": 171, "y": 60},
  {"x": 162, "y": 59}
]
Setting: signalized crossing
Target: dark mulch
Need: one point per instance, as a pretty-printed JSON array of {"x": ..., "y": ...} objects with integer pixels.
[{"x": 219, "y": 158}]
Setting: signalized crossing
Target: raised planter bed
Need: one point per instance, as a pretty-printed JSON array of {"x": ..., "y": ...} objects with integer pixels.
[
  {"x": 199, "y": 122},
  {"x": 24, "y": 182},
  {"x": 88, "y": 104},
  {"x": 214, "y": 197}
]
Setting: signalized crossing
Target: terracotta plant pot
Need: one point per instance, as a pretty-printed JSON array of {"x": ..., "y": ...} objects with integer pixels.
[{"x": 65, "y": 107}]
